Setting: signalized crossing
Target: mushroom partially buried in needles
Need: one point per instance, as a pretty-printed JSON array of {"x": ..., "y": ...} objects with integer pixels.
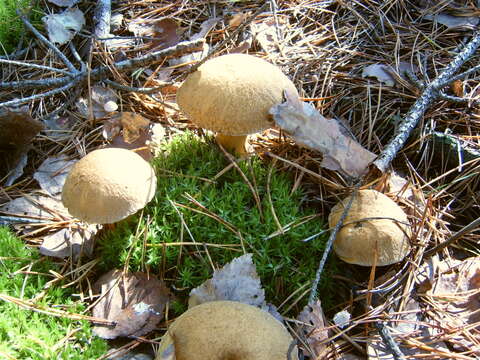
[
  {"x": 226, "y": 330},
  {"x": 108, "y": 185},
  {"x": 374, "y": 227},
  {"x": 232, "y": 95}
]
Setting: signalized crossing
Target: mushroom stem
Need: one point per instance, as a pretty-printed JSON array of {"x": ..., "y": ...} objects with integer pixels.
[{"x": 233, "y": 144}]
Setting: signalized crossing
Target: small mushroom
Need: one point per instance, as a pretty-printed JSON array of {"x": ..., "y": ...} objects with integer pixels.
[
  {"x": 232, "y": 95},
  {"x": 220, "y": 330},
  {"x": 374, "y": 226},
  {"x": 108, "y": 185}
]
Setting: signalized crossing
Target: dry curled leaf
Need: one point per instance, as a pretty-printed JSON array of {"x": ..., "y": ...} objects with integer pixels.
[
  {"x": 36, "y": 207},
  {"x": 236, "y": 281},
  {"x": 62, "y": 27},
  {"x": 312, "y": 329},
  {"x": 309, "y": 128},
  {"x": 17, "y": 130},
  {"x": 128, "y": 130},
  {"x": 163, "y": 33},
  {"x": 455, "y": 22},
  {"x": 134, "y": 301},
  {"x": 72, "y": 241},
  {"x": 52, "y": 173},
  {"x": 266, "y": 32}
]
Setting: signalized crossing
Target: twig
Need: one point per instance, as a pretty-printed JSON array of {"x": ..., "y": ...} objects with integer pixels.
[
  {"x": 101, "y": 18},
  {"x": 47, "y": 42},
  {"x": 389, "y": 341},
  {"x": 459, "y": 234},
  {"x": 464, "y": 74},
  {"x": 34, "y": 66},
  {"x": 97, "y": 73},
  {"x": 136, "y": 89},
  {"x": 430, "y": 93},
  {"x": 328, "y": 246},
  {"x": 228, "y": 38},
  {"x": 38, "y": 96}
]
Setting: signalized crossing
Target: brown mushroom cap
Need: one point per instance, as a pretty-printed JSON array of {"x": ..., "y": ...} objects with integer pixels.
[
  {"x": 356, "y": 243},
  {"x": 232, "y": 94},
  {"x": 220, "y": 330},
  {"x": 107, "y": 185}
]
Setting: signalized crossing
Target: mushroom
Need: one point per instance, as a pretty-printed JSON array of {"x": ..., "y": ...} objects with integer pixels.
[
  {"x": 365, "y": 235},
  {"x": 232, "y": 95},
  {"x": 220, "y": 330},
  {"x": 108, "y": 185}
]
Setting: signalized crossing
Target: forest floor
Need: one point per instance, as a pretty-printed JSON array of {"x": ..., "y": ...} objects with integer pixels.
[{"x": 363, "y": 63}]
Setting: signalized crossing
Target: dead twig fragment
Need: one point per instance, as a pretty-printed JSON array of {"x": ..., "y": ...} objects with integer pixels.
[
  {"x": 101, "y": 17},
  {"x": 431, "y": 92},
  {"x": 328, "y": 246},
  {"x": 459, "y": 234}
]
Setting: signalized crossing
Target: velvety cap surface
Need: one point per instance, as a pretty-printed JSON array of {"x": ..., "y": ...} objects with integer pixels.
[
  {"x": 232, "y": 94},
  {"x": 107, "y": 185},
  {"x": 221, "y": 330},
  {"x": 357, "y": 243}
]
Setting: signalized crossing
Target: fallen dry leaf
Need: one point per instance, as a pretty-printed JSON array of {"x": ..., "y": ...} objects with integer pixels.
[
  {"x": 385, "y": 73},
  {"x": 36, "y": 207},
  {"x": 163, "y": 33},
  {"x": 52, "y": 173},
  {"x": 134, "y": 301},
  {"x": 265, "y": 32},
  {"x": 380, "y": 72},
  {"x": 62, "y": 27},
  {"x": 72, "y": 241},
  {"x": 455, "y": 22},
  {"x": 457, "y": 88},
  {"x": 312, "y": 329},
  {"x": 17, "y": 130},
  {"x": 64, "y": 3},
  {"x": 132, "y": 131},
  {"x": 309, "y": 128},
  {"x": 236, "y": 281},
  {"x": 59, "y": 127},
  {"x": 238, "y": 18}
]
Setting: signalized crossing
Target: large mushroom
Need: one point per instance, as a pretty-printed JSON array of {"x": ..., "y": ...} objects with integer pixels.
[
  {"x": 108, "y": 185},
  {"x": 221, "y": 330},
  {"x": 375, "y": 226},
  {"x": 232, "y": 95}
]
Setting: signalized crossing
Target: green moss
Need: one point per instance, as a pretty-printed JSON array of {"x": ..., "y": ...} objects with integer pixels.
[
  {"x": 25, "y": 334},
  {"x": 11, "y": 27},
  {"x": 284, "y": 263}
]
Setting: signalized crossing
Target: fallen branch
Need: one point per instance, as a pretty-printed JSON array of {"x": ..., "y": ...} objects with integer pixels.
[
  {"x": 430, "y": 93},
  {"x": 328, "y": 246}
]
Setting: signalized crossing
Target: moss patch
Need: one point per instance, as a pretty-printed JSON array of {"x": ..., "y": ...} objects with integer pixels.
[
  {"x": 11, "y": 27},
  {"x": 284, "y": 263},
  {"x": 25, "y": 334}
]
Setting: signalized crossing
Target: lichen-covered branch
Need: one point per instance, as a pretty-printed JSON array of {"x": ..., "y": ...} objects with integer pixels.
[{"x": 430, "y": 93}]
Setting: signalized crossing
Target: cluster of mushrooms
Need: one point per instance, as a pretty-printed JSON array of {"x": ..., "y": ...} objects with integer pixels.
[{"x": 231, "y": 95}]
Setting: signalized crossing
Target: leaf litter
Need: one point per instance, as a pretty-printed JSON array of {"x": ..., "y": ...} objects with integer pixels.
[
  {"x": 17, "y": 130},
  {"x": 52, "y": 173},
  {"x": 62, "y": 27},
  {"x": 134, "y": 301},
  {"x": 236, "y": 281},
  {"x": 128, "y": 130},
  {"x": 309, "y": 128},
  {"x": 312, "y": 329}
]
